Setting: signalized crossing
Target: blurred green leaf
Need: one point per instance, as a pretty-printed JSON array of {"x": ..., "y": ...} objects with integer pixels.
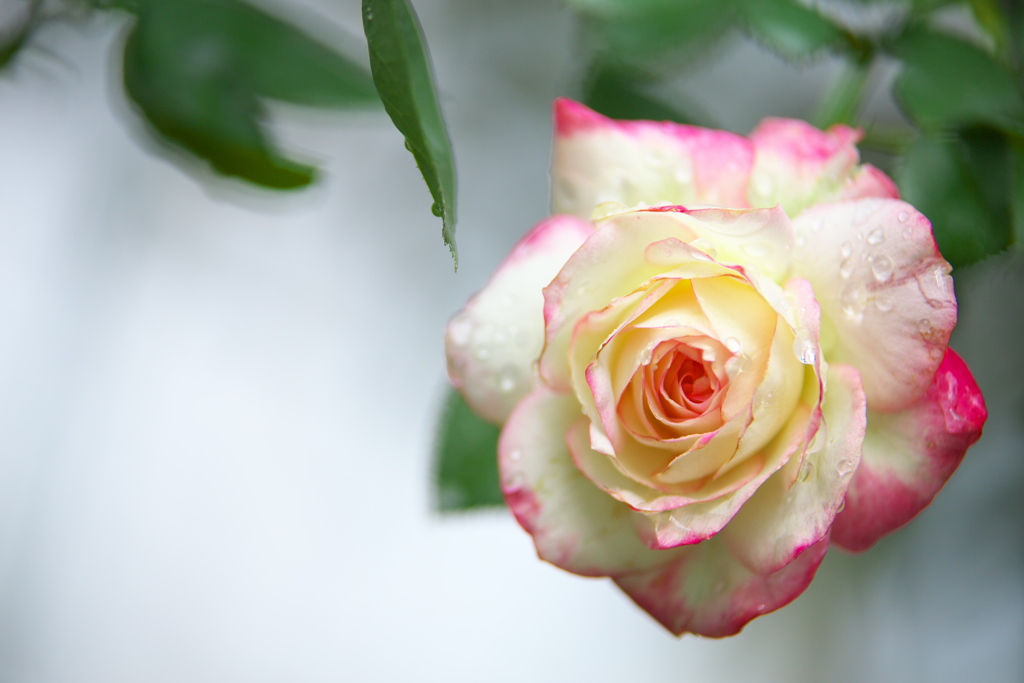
[
  {"x": 618, "y": 91},
  {"x": 991, "y": 19},
  {"x": 1017, "y": 190},
  {"x": 790, "y": 29},
  {"x": 946, "y": 83},
  {"x": 405, "y": 81},
  {"x": 644, "y": 29},
  {"x": 962, "y": 185},
  {"x": 199, "y": 69},
  {"x": 466, "y": 459},
  {"x": 21, "y": 21},
  {"x": 842, "y": 100}
]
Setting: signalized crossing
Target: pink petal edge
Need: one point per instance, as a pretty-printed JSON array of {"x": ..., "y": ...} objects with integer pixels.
[
  {"x": 943, "y": 424},
  {"x": 708, "y": 592}
]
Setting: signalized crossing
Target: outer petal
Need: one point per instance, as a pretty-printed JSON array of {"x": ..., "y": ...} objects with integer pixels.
[
  {"x": 574, "y": 525},
  {"x": 709, "y": 592},
  {"x": 866, "y": 182},
  {"x": 885, "y": 292},
  {"x": 489, "y": 360},
  {"x": 797, "y": 165},
  {"x": 909, "y": 455},
  {"x": 597, "y": 160},
  {"x": 795, "y": 508}
]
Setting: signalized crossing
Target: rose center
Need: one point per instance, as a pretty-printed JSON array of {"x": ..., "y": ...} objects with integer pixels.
[{"x": 679, "y": 391}]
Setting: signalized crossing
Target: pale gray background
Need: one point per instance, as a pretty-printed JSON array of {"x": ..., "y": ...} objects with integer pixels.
[{"x": 216, "y": 408}]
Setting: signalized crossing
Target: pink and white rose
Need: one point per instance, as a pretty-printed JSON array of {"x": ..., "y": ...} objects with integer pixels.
[{"x": 720, "y": 355}]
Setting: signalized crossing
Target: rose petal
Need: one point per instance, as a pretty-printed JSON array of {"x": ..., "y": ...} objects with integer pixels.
[
  {"x": 598, "y": 160},
  {"x": 868, "y": 181},
  {"x": 574, "y": 525},
  {"x": 796, "y": 164},
  {"x": 886, "y": 295},
  {"x": 752, "y": 238},
  {"x": 489, "y": 360},
  {"x": 614, "y": 261},
  {"x": 796, "y": 506},
  {"x": 909, "y": 455},
  {"x": 708, "y": 592}
]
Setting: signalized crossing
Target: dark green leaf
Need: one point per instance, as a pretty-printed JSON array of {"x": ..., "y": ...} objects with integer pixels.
[
  {"x": 618, "y": 91},
  {"x": 790, "y": 29},
  {"x": 466, "y": 459},
  {"x": 946, "y": 83},
  {"x": 962, "y": 186},
  {"x": 199, "y": 69},
  {"x": 405, "y": 82}
]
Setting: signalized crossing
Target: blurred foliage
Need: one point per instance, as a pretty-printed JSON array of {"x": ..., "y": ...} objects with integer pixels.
[
  {"x": 466, "y": 459},
  {"x": 200, "y": 70},
  {"x": 200, "y": 73},
  {"x": 958, "y": 156},
  {"x": 405, "y": 80}
]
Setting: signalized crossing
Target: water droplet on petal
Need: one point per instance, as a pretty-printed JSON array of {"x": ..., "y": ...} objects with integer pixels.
[
  {"x": 515, "y": 455},
  {"x": 884, "y": 304},
  {"x": 806, "y": 469},
  {"x": 906, "y": 234},
  {"x": 853, "y": 300},
  {"x": 876, "y": 236},
  {"x": 645, "y": 355},
  {"x": 881, "y": 267},
  {"x": 903, "y": 216},
  {"x": 508, "y": 378},
  {"x": 733, "y": 344},
  {"x": 846, "y": 249},
  {"x": 846, "y": 267},
  {"x": 816, "y": 225},
  {"x": 801, "y": 240},
  {"x": 805, "y": 350},
  {"x": 482, "y": 354}
]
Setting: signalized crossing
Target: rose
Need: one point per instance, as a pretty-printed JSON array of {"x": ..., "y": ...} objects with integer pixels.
[{"x": 693, "y": 388}]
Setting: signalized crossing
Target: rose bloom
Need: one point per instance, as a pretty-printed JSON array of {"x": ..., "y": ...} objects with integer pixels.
[{"x": 722, "y": 354}]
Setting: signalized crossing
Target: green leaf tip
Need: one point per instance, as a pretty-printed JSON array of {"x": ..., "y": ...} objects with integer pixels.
[
  {"x": 404, "y": 78},
  {"x": 466, "y": 459}
]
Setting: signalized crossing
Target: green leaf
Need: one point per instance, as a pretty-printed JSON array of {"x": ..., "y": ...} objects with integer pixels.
[
  {"x": 962, "y": 185},
  {"x": 645, "y": 29},
  {"x": 990, "y": 17},
  {"x": 1017, "y": 190},
  {"x": 619, "y": 91},
  {"x": 790, "y": 29},
  {"x": 466, "y": 459},
  {"x": 842, "y": 100},
  {"x": 199, "y": 69},
  {"x": 946, "y": 83},
  {"x": 404, "y": 79}
]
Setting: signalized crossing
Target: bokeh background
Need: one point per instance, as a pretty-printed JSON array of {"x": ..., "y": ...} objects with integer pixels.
[{"x": 217, "y": 404}]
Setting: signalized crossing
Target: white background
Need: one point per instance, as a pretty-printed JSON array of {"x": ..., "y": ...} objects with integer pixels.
[{"x": 217, "y": 407}]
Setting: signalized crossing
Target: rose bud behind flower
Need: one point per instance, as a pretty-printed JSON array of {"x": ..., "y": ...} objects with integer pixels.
[{"x": 721, "y": 355}]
